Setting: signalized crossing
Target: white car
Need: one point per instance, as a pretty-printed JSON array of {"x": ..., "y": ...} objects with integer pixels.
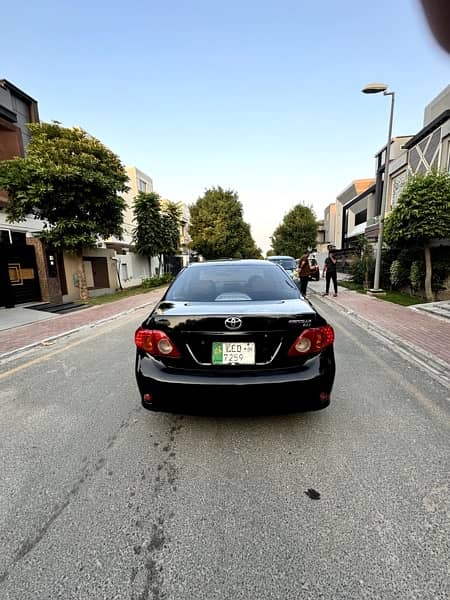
[{"x": 288, "y": 263}]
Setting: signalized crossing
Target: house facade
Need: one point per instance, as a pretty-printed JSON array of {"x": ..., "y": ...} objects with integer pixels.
[
  {"x": 358, "y": 207},
  {"x": 131, "y": 268},
  {"x": 28, "y": 270},
  {"x": 351, "y": 211},
  {"x": 429, "y": 149}
]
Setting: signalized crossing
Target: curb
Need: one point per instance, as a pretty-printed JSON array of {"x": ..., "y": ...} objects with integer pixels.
[
  {"x": 441, "y": 314},
  {"x": 44, "y": 341}
]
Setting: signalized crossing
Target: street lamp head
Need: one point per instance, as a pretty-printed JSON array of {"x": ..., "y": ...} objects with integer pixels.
[{"x": 374, "y": 88}]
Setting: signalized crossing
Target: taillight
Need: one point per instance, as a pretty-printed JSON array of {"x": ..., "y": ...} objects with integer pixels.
[
  {"x": 155, "y": 342},
  {"x": 312, "y": 340}
]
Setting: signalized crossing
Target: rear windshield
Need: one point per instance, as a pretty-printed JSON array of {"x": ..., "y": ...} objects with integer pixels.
[
  {"x": 286, "y": 263},
  {"x": 232, "y": 283}
]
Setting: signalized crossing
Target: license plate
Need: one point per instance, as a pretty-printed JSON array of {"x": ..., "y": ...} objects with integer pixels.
[{"x": 233, "y": 353}]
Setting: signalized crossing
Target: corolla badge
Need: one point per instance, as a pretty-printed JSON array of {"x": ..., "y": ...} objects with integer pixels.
[{"x": 233, "y": 323}]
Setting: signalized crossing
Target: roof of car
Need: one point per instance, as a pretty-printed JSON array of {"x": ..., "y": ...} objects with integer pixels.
[
  {"x": 229, "y": 261},
  {"x": 277, "y": 257}
]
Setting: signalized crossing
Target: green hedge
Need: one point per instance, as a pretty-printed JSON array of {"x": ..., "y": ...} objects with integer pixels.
[{"x": 152, "y": 282}]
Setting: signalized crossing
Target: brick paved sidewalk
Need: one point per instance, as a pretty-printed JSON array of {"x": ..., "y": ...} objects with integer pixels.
[
  {"x": 33, "y": 333},
  {"x": 423, "y": 333}
]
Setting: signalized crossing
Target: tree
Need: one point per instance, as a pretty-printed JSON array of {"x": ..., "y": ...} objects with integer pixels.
[
  {"x": 421, "y": 214},
  {"x": 71, "y": 181},
  {"x": 147, "y": 233},
  {"x": 170, "y": 231},
  {"x": 157, "y": 226},
  {"x": 249, "y": 248},
  {"x": 296, "y": 233},
  {"x": 217, "y": 227}
]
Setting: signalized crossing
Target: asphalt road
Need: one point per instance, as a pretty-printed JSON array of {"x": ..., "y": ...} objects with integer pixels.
[{"x": 101, "y": 499}]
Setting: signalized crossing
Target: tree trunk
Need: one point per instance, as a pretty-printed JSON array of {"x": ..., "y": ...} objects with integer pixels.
[
  {"x": 428, "y": 272},
  {"x": 366, "y": 276},
  {"x": 160, "y": 259},
  {"x": 84, "y": 294}
]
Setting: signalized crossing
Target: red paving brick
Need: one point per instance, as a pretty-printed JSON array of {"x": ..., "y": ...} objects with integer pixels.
[{"x": 426, "y": 332}]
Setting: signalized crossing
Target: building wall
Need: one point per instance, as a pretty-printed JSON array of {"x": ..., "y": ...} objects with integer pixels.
[
  {"x": 185, "y": 238},
  {"x": 437, "y": 106},
  {"x": 426, "y": 154},
  {"x": 330, "y": 223},
  {"x": 432, "y": 151},
  {"x": 5, "y": 97},
  {"x": 138, "y": 180},
  {"x": 445, "y": 142},
  {"x": 345, "y": 196},
  {"x": 16, "y": 110},
  {"x": 398, "y": 182},
  {"x": 30, "y": 224},
  {"x": 23, "y": 113},
  {"x": 48, "y": 282},
  {"x": 11, "y": 144},
  {"x": 352, "y": 212},
  {"x": 133, "y": 268},
  {"x": 20, "y": 109},
  {"x": 71, "y": 270}
]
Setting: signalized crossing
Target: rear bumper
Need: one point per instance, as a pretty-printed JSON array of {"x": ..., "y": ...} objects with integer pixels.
[{"x": 302, "y": 384}]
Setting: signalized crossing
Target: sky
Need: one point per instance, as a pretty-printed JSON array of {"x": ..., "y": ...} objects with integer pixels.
[{"x": 259, "y": 96}]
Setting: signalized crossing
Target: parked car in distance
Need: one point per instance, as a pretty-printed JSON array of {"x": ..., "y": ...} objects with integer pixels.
[
  {"x": 233, "y": 332},
  {"x": 314, "y": 270},
  {"x": 288, "y": 263}
]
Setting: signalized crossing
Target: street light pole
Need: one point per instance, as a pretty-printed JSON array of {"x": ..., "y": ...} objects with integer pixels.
[{"x": 375, "y": 88}]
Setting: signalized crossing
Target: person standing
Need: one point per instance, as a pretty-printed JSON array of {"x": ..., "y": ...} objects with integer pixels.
[
  {"x": 303, "y": 272},
  {"x": 330, "y": 272}
]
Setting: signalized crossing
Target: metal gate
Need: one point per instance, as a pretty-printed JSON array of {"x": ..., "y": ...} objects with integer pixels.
[
  {"x": 173, "y": 264},
  {"x": 19, "y": 281}
]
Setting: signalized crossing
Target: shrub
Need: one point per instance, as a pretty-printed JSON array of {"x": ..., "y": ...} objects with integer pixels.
[
  {"x": 363, "y": 267},
  {"x": 152, "y": 282},
  {"x": 399, "y": 274},
  {"x": 416, "y": 275},
  {"x": 441, "y": 270}
]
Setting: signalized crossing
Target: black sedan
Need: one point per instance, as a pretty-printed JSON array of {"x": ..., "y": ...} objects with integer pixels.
[{"x": 234, "y": 331}]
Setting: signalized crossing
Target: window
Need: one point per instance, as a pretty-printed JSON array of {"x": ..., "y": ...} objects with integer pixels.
[
  {"x": 286, "y": 263},
  {"x": 361, "y": 217},
  {"x": 18, "y": 238},
  {"x": 142, "y": 185},
  {"x": 5, "y": 236},
  {"x": 236, "y": 282}
]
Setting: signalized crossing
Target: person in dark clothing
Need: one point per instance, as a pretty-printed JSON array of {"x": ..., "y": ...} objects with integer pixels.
[
  {"x": 330, "y": 272},
  {"x": 303, "y": 272}
]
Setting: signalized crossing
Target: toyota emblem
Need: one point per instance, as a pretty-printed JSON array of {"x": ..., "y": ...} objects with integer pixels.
[{"x": 233, "y": 323}]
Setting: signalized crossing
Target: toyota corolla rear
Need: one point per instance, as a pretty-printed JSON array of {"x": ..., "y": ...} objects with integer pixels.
[{"x": 235, "y": 347}]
